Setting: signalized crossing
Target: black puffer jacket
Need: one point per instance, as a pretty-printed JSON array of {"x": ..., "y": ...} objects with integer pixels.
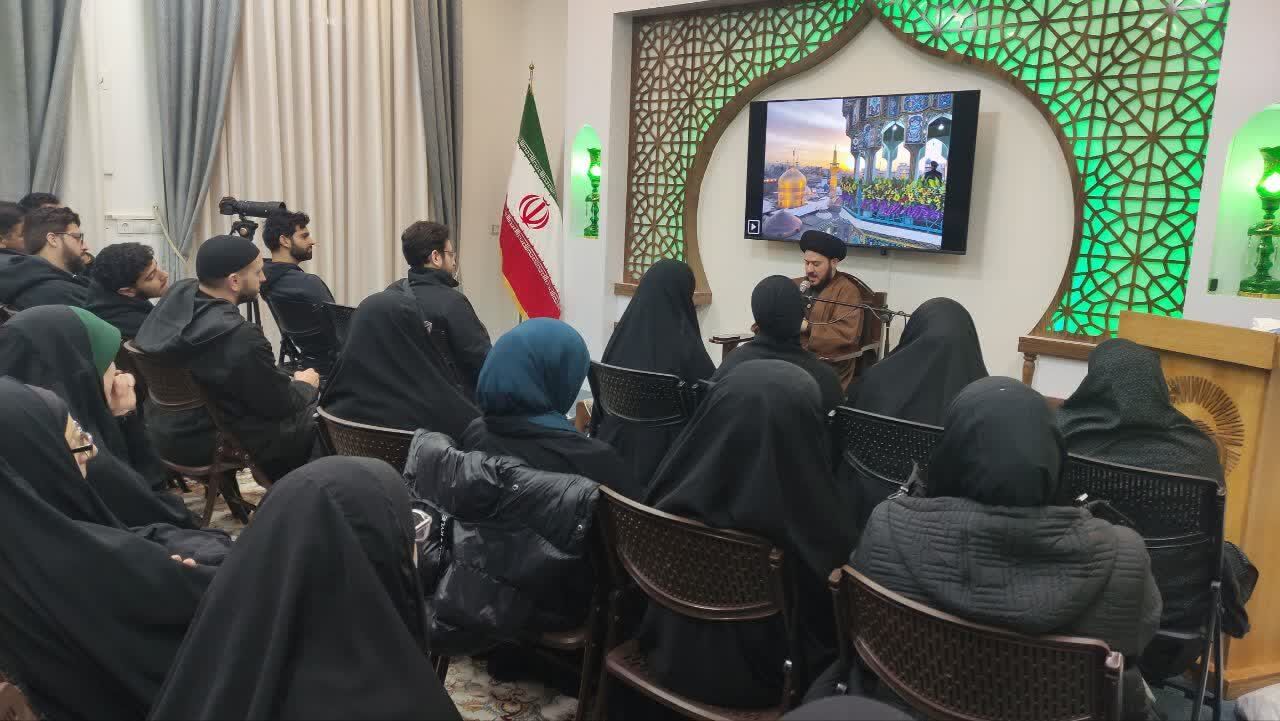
[{"x": 508, "y": 553}]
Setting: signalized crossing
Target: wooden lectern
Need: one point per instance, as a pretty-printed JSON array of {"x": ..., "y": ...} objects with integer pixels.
[{"x": 1227, "y": 381}]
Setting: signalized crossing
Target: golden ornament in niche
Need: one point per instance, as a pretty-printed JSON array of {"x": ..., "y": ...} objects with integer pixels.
[{"x": 1212, "y": 411}]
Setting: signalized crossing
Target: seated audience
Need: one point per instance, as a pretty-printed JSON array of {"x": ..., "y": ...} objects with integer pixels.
[
  {"x": 390, "y": 374},
  {"x": 312, "y": 645},
  {"x": 34, "y": 432},
  {"x": 528, "y": 385},
  {"x": 197, "y": 325},
  {"x": 433, "y": 265},
  {"x": 978, "y": 537},
  {"x": 91, "y": 616},
  {"x": 509, "y": 559},
  {"x": 1121, "y": 413},
  {"x": 72, "y": 352},
  {"x": 32, "y": 201},
  {"x": 47, "y": 275},
  {"x": 11, "y": 242},
  {"x": 658, "y": 332},
  {"x": 125, "y": 278},
  {"x": 291, "y": 243},
  {"x": 936, "y": 357},
  {"x": 754, "y": 458},
  {"x": 778, "y": 307}
]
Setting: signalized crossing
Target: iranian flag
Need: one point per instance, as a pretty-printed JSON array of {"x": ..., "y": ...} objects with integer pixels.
[{"x": 530, "y": 235}]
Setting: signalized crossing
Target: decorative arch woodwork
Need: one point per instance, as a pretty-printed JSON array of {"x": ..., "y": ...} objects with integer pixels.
[{"x": 1127, "y": 89}]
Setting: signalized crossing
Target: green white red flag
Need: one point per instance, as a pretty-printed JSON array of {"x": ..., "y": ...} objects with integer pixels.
[{"x": 529, "y": 238}]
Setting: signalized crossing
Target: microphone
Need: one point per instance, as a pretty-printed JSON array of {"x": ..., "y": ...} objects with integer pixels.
[{"x": 805, "y": 285}]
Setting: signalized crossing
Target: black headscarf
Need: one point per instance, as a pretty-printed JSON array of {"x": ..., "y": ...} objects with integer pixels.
[
  {"x": 388, "y": 374},
  {"x": 336, "y": 627},
  {"x": 658, "y": 332},
  {"x": 48, "y": 346},
  {"x": 90, "y": 616},
  {"x": 1122, "y": 413},
  {"x": 1000, "y": 447},
  {"x": 754, "y": 458},
  {"x": 937, "y": 356},
  {"x": 779, "y": 310}
]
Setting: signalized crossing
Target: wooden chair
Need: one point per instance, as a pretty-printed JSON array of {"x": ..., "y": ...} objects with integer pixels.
[
  {"x": 13, "y": 704},
  {"x": 950, "y": 668},
  {"x": 643, "y": 397},
  {"x": 883, "y": 448},
  {"x": 172, "y": 389},
  {"x": 1181, "y": 519},
  {"x": 348, "y": 438},
  {"x": 693, "y": 570}
]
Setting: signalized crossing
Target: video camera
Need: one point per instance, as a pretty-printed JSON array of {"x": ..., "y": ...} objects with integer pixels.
[{"x": 246, "y": 209}]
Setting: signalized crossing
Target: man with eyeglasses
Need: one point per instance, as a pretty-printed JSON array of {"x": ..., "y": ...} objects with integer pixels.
[
  {"x": 49, "y": 273},
  {"x": 433, "y": 267}
]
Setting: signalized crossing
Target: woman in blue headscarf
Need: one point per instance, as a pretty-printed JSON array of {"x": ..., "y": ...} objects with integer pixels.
[{"x": 527, "y": 387}]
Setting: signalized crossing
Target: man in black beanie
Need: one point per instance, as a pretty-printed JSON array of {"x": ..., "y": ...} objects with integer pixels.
[{"x": 198, "y": 326}]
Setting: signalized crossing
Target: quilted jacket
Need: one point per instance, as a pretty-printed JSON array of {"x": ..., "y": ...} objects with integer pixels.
[{"x": 507, "y": 558}]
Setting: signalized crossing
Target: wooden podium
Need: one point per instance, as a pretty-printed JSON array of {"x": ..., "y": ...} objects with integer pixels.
[{"x": 1227, "y": 381}]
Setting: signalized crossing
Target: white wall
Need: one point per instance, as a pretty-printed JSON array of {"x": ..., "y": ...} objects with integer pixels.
[
  {"x": 499, "y": 39},
  {"x": 112, "y": 174},
  {"x": 1019, "y": 228},
  {"x": 1249, "y": 83}
]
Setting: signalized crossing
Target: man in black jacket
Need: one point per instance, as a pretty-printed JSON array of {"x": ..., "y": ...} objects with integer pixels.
[
  {"x": 197, "y": 325},
  {"x": 432, "y": 265},
  {"x": 291, "y": 243},
  {"x": 125, "y": 277},
  {"x": 47, "y": 275}
]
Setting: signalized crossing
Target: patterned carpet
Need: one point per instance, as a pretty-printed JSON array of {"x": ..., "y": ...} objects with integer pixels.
[{"x": 477, "y": 696}]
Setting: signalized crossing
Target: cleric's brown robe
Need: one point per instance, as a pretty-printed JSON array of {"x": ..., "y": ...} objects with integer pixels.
[{"x": 835, "y": 331}]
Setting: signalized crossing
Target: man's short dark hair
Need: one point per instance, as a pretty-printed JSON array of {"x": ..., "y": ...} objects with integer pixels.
[
  {"x": 42, "y": 221},
  {"x": 31, "y": 201},
  {"x": 10, "y": 215},
  {"x": 121, "y": 264},
  {"x": 282, "y": 223},
  {"x": 420, "y": 239}
]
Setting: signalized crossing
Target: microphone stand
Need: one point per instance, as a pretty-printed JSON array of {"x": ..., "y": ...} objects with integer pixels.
[{"x": 884, "y": 315}]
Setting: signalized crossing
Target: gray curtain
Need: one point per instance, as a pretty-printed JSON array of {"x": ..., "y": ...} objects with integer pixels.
[
  {"x": 195, "y": 43},
  {"x": 434, "y": 33},
  {"x": 37, "y": 53}
]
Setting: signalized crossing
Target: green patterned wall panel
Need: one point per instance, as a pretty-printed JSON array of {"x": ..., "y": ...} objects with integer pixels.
[{"x": 1130, "y": 84}]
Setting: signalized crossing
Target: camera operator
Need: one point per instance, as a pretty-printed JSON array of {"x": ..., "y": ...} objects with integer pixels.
[{"x": 290, "y": 241}]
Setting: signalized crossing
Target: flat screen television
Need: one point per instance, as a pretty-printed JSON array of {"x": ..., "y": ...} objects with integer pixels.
[{"x": 880, "y": 171}]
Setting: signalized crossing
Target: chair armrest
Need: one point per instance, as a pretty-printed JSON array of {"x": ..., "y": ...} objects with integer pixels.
[
  {"x": 847, "y": 357},
  {"x": 731, "y": 338}
]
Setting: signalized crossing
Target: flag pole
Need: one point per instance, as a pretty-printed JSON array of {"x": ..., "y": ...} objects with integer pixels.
[{"x": 520, "y": 316}]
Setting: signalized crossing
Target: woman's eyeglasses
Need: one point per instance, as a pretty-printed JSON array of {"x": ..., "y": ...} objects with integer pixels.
[{"x": 84, "y": 441}]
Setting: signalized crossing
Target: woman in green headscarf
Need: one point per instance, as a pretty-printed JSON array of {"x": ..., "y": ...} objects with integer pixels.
[{"x": 71, "y": 352}]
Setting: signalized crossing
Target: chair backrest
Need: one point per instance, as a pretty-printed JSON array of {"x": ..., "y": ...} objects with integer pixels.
[
  {"x": 1180, "y": 517},
  {"x": 307, "y": 328},
  {"x": 644, "y": 397},
  {"x": 690, "y": 568},
  {"x": 950, "y": 668},
  {"x": 338, "y": 318},
  {"x": 348, "y": 438},
  {"x": 168, "y": 386},
  {"x": 883, "y": 446}
]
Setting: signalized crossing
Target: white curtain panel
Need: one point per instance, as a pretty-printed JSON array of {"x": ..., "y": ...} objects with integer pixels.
[{"x": 324, "y": 113}]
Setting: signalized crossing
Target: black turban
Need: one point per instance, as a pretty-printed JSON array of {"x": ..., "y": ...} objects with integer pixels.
[
  {"x": 222, "y": 255},
  {"x": 778, "y": 307},
  {"x": 824, "y": 243}
]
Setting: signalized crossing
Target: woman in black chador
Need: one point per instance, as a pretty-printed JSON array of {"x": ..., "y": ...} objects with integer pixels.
[
  {"x": 318, "y": 613},
  {"x": 659, "y": 333}
]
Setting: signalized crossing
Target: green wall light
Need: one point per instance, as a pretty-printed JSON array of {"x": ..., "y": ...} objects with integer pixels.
[
  {"x": 593, "y": 200},
  {"x": 1261, "y": 284}
]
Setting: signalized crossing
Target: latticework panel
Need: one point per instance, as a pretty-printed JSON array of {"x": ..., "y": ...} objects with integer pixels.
[
  {"x": 886, "y": 446},
  {"x": 1129, "y": 87},
  {"x": 390, "y": 447},
  {"x": 685, "y": 70}
]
